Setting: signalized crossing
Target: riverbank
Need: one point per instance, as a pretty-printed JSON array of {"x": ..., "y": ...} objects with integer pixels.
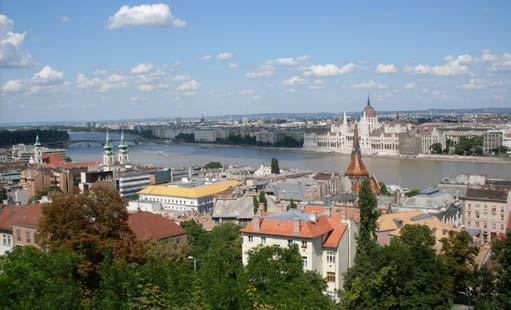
[{"x": 431, "y": 157}]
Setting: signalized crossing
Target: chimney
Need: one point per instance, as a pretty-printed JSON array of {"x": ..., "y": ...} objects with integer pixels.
[
  {"x": 261, "y": 207},
  {"x": 314, "y": 217},
  {"x": 296, "y": 227},
  {"x": 257, "y": 223}
]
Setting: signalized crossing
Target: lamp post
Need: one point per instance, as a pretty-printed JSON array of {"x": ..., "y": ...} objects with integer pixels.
[{"x": 194, "y": 262}]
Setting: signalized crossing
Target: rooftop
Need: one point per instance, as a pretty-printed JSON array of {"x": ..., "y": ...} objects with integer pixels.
[
  {"x": 147, "y": 225},
  {"x": 189, "y": 192}
]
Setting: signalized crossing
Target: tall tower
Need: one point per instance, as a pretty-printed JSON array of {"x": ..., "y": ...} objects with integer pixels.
[
  {"x": 38, "y": 151},
  {"x": 108, "y": 155},
  {"x": 122, "y": 156}
]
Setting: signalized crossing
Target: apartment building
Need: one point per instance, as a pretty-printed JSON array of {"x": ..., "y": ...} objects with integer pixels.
[{"x": 326, "y": 241}]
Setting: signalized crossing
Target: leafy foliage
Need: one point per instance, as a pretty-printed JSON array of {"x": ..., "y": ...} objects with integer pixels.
[
  {"x": 436, "y": 148},
  {"x": 213, "y": 165},
  {"x": 24, "y": 136},
  {"x": 412, "y": 192},
  {"x": 275, "y": 166},
  {"x": 262, "y": 199}
]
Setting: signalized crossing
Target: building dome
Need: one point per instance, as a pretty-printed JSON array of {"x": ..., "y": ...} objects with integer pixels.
[{"x": 368, "y": 110}]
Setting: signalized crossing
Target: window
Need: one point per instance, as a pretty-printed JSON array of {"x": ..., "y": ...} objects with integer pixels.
[
  {"x": 18, "y": 235},
  {"x": 304, "y": 261},
  {"x": 289, "y": 242},
  {"x": 250, "y": 238},
  {"x": 330, "y": 257},
  {"x": 263, "y": 240},
  {"x": 330, "y": 276},
  {"x": 468, "y": 213},
  {"x": 304, "y": 244},
  {"x": 477, "y": 224},
  {"x": 477, "y": 214},
  {"x": 7, "y": 239},
  {"x": 332, "y": 295},
  {"x": 29, "y": 239}
]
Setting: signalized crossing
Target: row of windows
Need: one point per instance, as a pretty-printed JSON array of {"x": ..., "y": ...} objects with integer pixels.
[
  {"x": 485, "y": 225},
  {"x": 485, "y": 215},
  {"x": 28, "y": 236},
  {"x": 289, "y": 241},
  {"x": 493, "y": 209}
]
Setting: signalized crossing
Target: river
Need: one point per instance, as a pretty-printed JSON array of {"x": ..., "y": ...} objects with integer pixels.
[{"x": 412, "y": 173}]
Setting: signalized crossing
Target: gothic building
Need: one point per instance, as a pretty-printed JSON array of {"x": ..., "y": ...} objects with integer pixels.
[
  {"x": 375, "y": 137},
  {"x": 108, "y": 154}
]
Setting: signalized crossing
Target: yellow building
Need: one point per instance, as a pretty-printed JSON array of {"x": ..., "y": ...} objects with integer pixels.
[{"x": 186, "y": 197}]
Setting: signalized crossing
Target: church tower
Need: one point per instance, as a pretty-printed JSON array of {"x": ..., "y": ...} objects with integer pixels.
[
  {"x": 357, "y": 171},
  {"x": 38, "y": 151},
  {"x": 122, "y": 156},
  {"x": 108, "y": 155}
]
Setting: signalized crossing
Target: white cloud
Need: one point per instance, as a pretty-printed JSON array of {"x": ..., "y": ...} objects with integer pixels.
[
  {"x": 99, "y": 72},
  {"x": 142, "y": 68},
  {"x": 368, "y": 84},
  {"x": 205, "y": 57},
  {"x": 488, "y": 56},
  {"x": 116, "y": 78},
  {"x": 146, "y": 87},
  {"x": 48, "y": 76},
  {"x": 294, "y": 81},
  {"x": 144, "y": 15},
  {"x": 11, "y": 53},
  {"x": 233, "y": 66},
  {"x": 383, "y": 68},
  {"x": 112, "y": 82},
  {"x": 317, "y": 84},
  {"x": 189, "y": 87},
  {"x": 64, "y": 19},
  {"x": 13, "y": 86},
  {"x": 83, "y": 82},
  {"x": 248, "y": 91},
  {"x": 262, "y": 72},
  {"x": 224, "y": 56},
  {"x": 289, "y": 61},
  {"x": 410, "y": 85},
  {"x": 472, "y": 84},
  {"x": 181, "y": 77},
  {"x": 453, "y": 66},
  {"x": 329, "y": 70},
  {"x": 503, "y": 63}
]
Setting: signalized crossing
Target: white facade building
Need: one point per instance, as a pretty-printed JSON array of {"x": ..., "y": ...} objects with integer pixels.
[
  {"x": 375, "y": 137},
  {"x": 326, "y": 242}
]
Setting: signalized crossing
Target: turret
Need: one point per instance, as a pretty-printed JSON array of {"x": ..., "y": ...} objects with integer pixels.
[
  {"x": 108, "y": 155},
  {"x": 38, "y": 151},
  {"x": 122, "y": 156}
]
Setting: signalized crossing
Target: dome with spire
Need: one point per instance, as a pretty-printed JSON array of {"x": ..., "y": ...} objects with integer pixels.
[
  {"x": 37, "y": 143},
  {"x": 368, "y": 110}
]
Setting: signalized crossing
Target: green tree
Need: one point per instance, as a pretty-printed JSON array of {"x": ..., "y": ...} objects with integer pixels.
[
  {"x": 413, "y": 192},
  {"x": 198, "y": 239},
  {"x": 255, "y": 202},
  {"x": 501, "y": 255},
  {"x": 383, "y": 188},
  {"x": 213, "y": 165},
  {"x": 436, "y": 148},
  {"x": 33, "y": 279},
  {"x": 275, "y": 166},
  {"x": 458, "y": 254},
  {"x": 262, "y": 199},
  {"x": 3, "y": 194},
  {"x": 275, "y": 278}
]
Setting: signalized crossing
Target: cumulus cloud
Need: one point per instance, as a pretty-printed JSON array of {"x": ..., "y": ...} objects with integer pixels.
[
  {"x": 453, "y": 66},
  {"x": 189, "y": 87},
  {"x": 262, "y": 72},
  {"x": 368, "y": 84},
  {"x": 99, "y": 72},
  {"x": 181, "y": 77},
  {"x": 317, "y": 84},
  {"x": 48, "y": 76},
  {"x": 147, "y": 15},
  {"x": 383, "y": 68},
  {"x": 142, "y": 68},
  {"x": 64, "y": 19},
  {"x": 233, "y": 66},
  {"x": 294, "y": 81},
  {"x": 472, "y": 84},
  {"x": 101, "y": 85},
  {"x": 503, "y": 63},
  {"x": 410, "y": 85},
  {"x": 146, "y": 87},
  {"x": 329, "y": 70},
  {"x": 289, "y": 61},
  {"x": 224, "y": 56},
  {"x": 205, "y": 57},
  {"x": 13, "y": 86},
  {"x": 11, "y": 53}
]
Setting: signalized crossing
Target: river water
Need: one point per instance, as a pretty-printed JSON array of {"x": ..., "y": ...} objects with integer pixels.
[{"x": 411, "y": 173}]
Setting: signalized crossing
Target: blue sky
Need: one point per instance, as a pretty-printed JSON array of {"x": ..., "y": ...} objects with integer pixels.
[{"x": 88, "y": 60}]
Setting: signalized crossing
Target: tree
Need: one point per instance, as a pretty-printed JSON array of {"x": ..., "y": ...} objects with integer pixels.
[
  {"x": 275, "y": 278},
  {"x": 3, "y": 194},
  {"x": 458, "y": 254},
  {"x": 292, "y": 204},
  {"x": 406, "y": 274},
  {"x": 383, "y": 188},
  {"x": 198, "y": 239},
  {"x": 436, "y": 148},
  {"x": 413, "y": 192},
  {"x": 213, "y": 165},
  {"x": 368, "y": 214},
  {"x": 90, "y": 225},
  {"x": 501, "y": 255},
  {"x": 255, "y": 202},
  {"x": 262, "y": 199},
  {"x": 33, "y": 279},
  {"x": 275, "y": 166}
]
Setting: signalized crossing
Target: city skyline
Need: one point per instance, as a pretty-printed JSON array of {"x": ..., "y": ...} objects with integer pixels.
[{"x": 126, "y": 60}]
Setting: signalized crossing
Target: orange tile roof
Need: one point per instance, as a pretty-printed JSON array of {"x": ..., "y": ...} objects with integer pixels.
[
  {"x": 147, "y": 225},
  {"x": 335, "y": 237},
  {"x": 25, "y": 215},
  {"x": 69, "y": 165}
]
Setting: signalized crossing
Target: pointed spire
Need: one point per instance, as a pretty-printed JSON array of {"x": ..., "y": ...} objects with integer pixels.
[
  {"x": 368, "y": 101},
  {"x": 356, "y": 143},
  {"x": 344, "y": 119},
  {"x": 122, "y": 144},
  {"x": 37, "y": 143},
  {"x": 108, "y": 145}
]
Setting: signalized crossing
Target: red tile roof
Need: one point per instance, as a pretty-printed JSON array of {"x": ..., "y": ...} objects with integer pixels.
[
  {"x": 69, "y": 165},
  {"x": 26, "y": 215},
  {"x": 148, "y": 225}
]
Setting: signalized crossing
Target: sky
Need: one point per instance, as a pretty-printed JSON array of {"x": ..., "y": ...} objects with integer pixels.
[{"x": 100, "y": 60}]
